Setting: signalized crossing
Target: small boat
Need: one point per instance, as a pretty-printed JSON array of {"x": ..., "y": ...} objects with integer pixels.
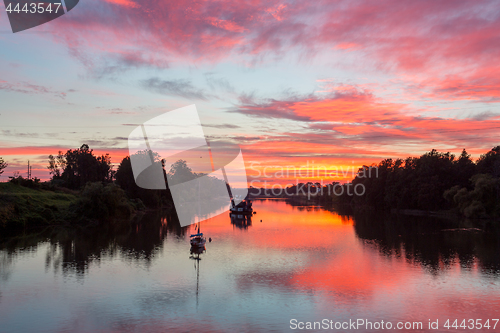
[
  {"x": 243, "y": 208},
  {"x": 197, "y": 240}
]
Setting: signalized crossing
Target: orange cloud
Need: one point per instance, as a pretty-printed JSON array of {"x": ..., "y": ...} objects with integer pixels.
[
  {"x": 125, "y": 3},
  {"x": 226, "y": 25}
]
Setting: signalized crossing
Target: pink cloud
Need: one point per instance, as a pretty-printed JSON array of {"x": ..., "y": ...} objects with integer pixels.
[
  {"x": 435, "y": 45},
  {"x": 226, "y": 25},
  {"x": 125, "y": 3}
]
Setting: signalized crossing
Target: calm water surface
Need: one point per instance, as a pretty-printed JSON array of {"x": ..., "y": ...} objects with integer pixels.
[{"x": 300, "y": 262}]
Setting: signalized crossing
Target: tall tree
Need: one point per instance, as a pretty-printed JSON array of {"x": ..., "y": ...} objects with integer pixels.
[
  {"x": 180, "y": 172},
  {"x": 80, "y": 166},
  {"x": 464, "y": 169},
  {"x": 490, "y": 162},
  {"x": 125, "y": 179},
  {"x": 57, "y": 165}
]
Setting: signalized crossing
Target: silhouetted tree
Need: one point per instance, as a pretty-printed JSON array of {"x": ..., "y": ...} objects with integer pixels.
[
  {"x": 57, "y": 165},
  {"x": 431, "y": 182},
  {"x": 481, "y": 201},
  {"x": 490, "y": 162},
  {"x": 3, "y": 165},
  {"x": 465, "y": 168},
  {"x": 80, "y": 166},
  {"x": 180, "y": 172},
  {"x": 205, "y": 186},
  {"x": 125, "y": 179}
]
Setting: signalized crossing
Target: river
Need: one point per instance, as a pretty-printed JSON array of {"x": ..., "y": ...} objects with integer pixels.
[{"x": 288, "y": 267}]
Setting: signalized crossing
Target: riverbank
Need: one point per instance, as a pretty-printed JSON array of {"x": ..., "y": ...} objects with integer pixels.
[
  {"x": 43, "y": 205},
  {"x": 21, "y": 205}
]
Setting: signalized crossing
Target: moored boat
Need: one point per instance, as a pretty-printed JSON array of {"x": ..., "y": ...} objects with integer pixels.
[
  {"x": 197, "y": 240},
  {"x": 242, "y": 208}
]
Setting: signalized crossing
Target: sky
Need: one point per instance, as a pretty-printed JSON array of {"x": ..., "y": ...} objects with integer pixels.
[{"x": 329, "y": 84}]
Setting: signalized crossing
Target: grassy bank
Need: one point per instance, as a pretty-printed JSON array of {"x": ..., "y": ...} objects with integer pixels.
[
  {"x": 20, "y": 206},
  {"x": 35, "y": 204}
]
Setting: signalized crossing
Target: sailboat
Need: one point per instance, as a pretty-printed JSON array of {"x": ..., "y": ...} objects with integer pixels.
[
  {"x": 197, "y": 240},
  {"x": 244, "y": 207}
]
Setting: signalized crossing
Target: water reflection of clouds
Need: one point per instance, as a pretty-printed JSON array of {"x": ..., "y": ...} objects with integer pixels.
[{"x": 313, "y": 263}]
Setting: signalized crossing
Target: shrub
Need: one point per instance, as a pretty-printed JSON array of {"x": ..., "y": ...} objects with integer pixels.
[
  {"x": 102, "y": 202},
  {"x": 481, "y": 201},
  {"x": 30, "y": 183}
]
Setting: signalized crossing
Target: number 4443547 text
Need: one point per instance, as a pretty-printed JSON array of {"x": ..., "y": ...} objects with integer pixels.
[{"x": 32, "y": 8}]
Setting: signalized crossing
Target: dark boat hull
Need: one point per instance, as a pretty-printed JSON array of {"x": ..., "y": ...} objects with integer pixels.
[{"x": 240, "y": 212}]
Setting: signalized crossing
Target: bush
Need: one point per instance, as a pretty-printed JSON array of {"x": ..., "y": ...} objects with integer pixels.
[
  {"x": 30, "y": 183},
  {"x": 480, "y": 202},
  {"x": 102, "y": 202}
]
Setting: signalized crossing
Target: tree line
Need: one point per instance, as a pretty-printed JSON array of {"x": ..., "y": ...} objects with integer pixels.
[
  {"x": 432, "y": 182},
  {"x": 81, "y": 169},
  {"x": 77, "y": 168}
]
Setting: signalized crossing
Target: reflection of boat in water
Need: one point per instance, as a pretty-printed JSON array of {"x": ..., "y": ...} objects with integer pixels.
[
  {"x": 196, "y": 251},
  {"x": 195, "y": 255},
  {"x": 241, "y": 221},
  {"x": 242, "y": 208}
]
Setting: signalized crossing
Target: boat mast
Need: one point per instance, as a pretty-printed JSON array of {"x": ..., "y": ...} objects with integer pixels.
[
  {"x": 227, "y": 185},
  {"x": 199, "y": 214}
]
